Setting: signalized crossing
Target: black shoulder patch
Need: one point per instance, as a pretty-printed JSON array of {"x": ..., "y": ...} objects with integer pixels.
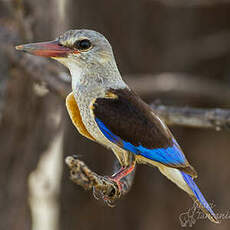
[{"x": 130, "y": 118}]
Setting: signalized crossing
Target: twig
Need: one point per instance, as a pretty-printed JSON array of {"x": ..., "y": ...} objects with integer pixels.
[
  {"x": 103, "y": 187},
  {"x": 218, "y": 119}
]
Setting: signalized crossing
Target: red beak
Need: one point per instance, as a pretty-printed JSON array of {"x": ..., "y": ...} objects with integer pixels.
[{"x": 45, "y": 49}]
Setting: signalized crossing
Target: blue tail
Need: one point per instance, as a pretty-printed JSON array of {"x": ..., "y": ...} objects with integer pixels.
[{"x": 203, "y": 204}]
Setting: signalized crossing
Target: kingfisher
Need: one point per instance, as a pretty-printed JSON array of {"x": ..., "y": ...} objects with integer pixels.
[{"x": 105, "y": 110}]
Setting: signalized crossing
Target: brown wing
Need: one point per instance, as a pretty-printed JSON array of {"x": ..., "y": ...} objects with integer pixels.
[{"x": 124, "y": 113}]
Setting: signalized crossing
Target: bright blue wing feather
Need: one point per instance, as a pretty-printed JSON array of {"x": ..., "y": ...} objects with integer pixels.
[
  {"x": 188, "y": 179},
  {"x": 169, "y": 155},
  {"x": 108, "y": 134}
]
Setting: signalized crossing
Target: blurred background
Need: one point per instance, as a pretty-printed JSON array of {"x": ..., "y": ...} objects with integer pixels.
[{"x": 173, "y": 51}]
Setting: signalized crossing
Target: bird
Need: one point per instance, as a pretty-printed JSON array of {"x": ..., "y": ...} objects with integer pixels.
[{"x": 104, "y": 109}]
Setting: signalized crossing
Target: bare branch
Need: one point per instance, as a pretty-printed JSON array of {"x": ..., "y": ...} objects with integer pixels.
[
  {"x": 218, "y": 119},
  {"x": 103, "y": 187}
]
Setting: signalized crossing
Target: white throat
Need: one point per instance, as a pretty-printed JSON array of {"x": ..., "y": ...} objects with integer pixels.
[
  {"x": 76, "y": 74},
  {"x": 75, "y": 70}
]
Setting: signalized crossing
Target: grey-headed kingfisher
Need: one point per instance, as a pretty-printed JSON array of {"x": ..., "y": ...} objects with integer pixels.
[{"x": 104, "y": 109}]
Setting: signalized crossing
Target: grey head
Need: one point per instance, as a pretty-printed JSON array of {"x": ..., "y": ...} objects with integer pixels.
[
  {"x": 92, "y": 61},
  {"x": 90, "y": 49}
]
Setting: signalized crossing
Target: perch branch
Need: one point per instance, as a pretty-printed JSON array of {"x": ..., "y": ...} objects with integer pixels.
[
  {"x": 218, "y": 119},
  {"x": 103, "y": 187}
]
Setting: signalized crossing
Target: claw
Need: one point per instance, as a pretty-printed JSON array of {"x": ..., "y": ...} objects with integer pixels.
[
  {"x": 95, "y": 194},
  {"x": 108, "y": 198},
  {"x": 110, "y": 203}
]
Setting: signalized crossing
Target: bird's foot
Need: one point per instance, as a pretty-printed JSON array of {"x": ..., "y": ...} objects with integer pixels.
[
  {"x": 119, "y": 178},
  {"x": 119, "y": 187},
  {"x": 108, "y": 195},
  {"x": 109, "y": 189}
]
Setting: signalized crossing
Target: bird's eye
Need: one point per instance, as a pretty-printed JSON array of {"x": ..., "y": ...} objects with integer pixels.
[{"x": 84, "y": 44}]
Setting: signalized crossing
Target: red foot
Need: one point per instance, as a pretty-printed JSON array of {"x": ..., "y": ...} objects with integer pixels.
[{"x": 123, "y": 172}]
